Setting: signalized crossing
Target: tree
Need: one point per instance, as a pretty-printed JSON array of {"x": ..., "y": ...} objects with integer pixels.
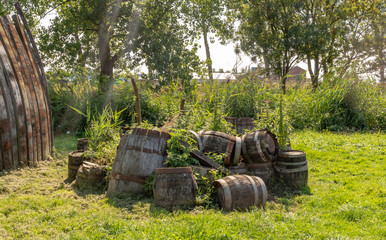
[
  {"x": 205, "y": 17},
  {"x": 268, "y": 30},
  {"x": 95, "y": 33}
]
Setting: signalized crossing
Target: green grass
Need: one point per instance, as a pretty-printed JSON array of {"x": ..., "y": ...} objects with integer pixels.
[{"x": 346, "y": 199}]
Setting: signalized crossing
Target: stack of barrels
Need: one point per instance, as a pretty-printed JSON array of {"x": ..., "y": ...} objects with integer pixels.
[{"x": 25, "y": 116}]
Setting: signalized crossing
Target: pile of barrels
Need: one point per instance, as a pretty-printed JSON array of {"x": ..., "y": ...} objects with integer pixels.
[{"x": 254, "y": 158}]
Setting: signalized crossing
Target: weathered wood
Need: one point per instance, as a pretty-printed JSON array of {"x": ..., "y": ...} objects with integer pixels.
[
  {"x": 292, "y": 167},
  {"x": 75, "y": 160},
  {"x": 82, "y": 144},
  {"x": 218, "y": 142},
  {"x": 241, "y": 124},
  {"x": 261, "y": 170},
  {"x": 240, "y": 192},
  {"x": 174, "y": 186},
  {"x": 138, "y": 155},
  {"x": 90, "y": 174},
  {"x": 137, "y": 101},
  {"x": 259, "y": 146}
]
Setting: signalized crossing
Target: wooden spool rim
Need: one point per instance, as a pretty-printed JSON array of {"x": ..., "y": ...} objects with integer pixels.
[
  {"x": 292, "y": 154},
  {"x": 173, "y": 170},
  {"x": 293, "y": 170},
  {"x": 259, "y": 165},
  {"x": 200, "y": 147}
]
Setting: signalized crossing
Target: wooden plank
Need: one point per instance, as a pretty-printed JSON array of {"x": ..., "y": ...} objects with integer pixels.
[
  {"x": 11, "y": 66},
  {"x": 6, "y": 154}
]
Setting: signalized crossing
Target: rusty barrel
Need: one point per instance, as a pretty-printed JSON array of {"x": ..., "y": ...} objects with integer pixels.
[
  {"x": 174, "y": 187},
  {"x": 261, "y": 170},
  {"x": 259, "y": 146},
  {"x": 292, "y": 167},
  {"x": 139, "y": 154},
  {"x": 218, "y": 142},
  {"x": 75, "y": 159},
  {"x": 82, "y": 144},
  {"x": 25, "y": 120},
  {"x": 241, "y": 123},
  {"x": 240, "y": 192}
]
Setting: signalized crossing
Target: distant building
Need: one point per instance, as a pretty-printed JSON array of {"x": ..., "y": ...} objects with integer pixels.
[{"x": 296, "y": 74}]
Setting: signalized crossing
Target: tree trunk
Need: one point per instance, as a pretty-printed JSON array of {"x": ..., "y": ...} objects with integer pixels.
[
  {"x": 208, "y": 59},
  {"x": 283, "y": 81},
  {"x": 106, "y": 60}
]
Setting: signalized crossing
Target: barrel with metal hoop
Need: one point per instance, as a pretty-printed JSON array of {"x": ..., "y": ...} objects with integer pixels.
[
  {"x": 261, "y": 170},
  {"x": 292, "y": 167},
  {"x": 259, "y": 146},
  {"x": 139, "y": 154},
  {"x": 240, "y": 192}
]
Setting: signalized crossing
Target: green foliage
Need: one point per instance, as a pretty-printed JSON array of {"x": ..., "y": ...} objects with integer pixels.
[{"x": 178, "y": 155}]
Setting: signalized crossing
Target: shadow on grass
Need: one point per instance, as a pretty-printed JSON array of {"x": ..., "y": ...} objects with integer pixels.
[{"x": 278, "y": 189}]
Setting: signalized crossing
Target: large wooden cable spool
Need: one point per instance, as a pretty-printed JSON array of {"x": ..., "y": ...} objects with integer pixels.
[
  {"x": 240, "y": 192},
  {"x": 139, "y": 154},
  {"x": 259, "y": 146},
  {"x": 25, "y": 121},
  {"x": 174, "y": 186},
  {"x": 292, "y": 167},
  {"x": 218, "y": 142}
]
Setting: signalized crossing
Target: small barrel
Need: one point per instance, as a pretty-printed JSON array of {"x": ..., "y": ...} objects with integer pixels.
[
  {"x": 75, "y": 159},
  {"x": 259, "y": 146},
  {"x": 292, "y": 167},
  {"x": 241, "y": 124},
  {"x": 82, "y": 144},
  {"x": 90, "y": 174},
  {"x": 261, "y": 170},
  {"x": 174, "y": 186},
  {"x": 138, "y": 155},
  {"x": 218, "y": 142},
  {"x": 240, "y": 192}
]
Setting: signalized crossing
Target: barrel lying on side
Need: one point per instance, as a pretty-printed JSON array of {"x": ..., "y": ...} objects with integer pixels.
[
  {"x": 261, "y": 170},
  {"x": 138, "y": 155},
  {"x": 174, "y": 186},
  {"x": 240, "y": 192},
  {"x": 218, "y": 142},
  {"x": 259, "y": 146},
  {"x": 292, "y": 167}
]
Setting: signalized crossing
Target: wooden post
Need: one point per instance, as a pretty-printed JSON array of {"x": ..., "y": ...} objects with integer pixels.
[{"x": 137, "y": 101}]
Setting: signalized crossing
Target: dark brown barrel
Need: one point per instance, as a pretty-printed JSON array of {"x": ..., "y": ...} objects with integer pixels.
[
  {"x": 241, "y": 124},
  {"x": 82, "y": 144},
  {"x": 218, "y": 142},
  {"x": 25, "y": 124},
  {"x": 259, "y": 146},
  {"x": 90, "y": 174},
  {"x": 139, "y": 154},
  {"x": 174, "y": 186},
  {"x": 261, "y": 170},
  {"x": 240, "y": 192},
  {"x": 75, "y": 159},
  {"x": 292, "y": 167}
]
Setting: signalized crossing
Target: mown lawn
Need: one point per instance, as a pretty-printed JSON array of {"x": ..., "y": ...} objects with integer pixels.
[{"x": 346, "y": 199}]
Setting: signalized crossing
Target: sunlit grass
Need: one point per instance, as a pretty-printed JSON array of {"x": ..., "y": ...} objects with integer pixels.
[{"x": 345, "y": 200}]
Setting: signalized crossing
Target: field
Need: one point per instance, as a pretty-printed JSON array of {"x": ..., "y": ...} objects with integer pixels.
[{"x": 345, "y": 199}]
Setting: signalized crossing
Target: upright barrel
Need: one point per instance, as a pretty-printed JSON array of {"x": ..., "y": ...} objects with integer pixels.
[
  {"x": 240, "y": 192},
  {"x": 218, "y": 142},
  {"x": 259, "y": 146},
  {"x": 139, "y": 154},
  {"x": 292, "y": 167},
  {"x": 174, "y": 187}
]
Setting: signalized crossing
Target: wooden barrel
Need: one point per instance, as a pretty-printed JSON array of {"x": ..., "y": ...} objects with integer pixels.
[
  {"x": 241, "y": 124},
  {"x": 240, "y": 192},
  {"x": 138, "y": 155},
  {"x": 292, "y": 167},
  {"x": 174, "y": 186},
  {"x": 218, "y": 142},
  {"x": 261, "y": 170},
  {"x": 197, "y": 139},
  {"x": 82, "y": 144},
  {"x": 25, "y": 120},
  {"x": 259, "y": 146},
  {"x": 75, "y": 159},
  {"x": 90, "y": 174}
]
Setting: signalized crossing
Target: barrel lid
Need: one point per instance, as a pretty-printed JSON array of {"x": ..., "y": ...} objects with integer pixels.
[
  {"x": 173, "y": 170},
  {"x": 292, "y": 154},
  {"x": 77, "y": 153},
  {"x": 270, "y": 143}
]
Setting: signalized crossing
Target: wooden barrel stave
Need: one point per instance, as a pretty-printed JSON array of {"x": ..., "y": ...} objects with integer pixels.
[
  {"x": 292, "y": 167},
  {"x": 261, "y": 170},
  {"x": 259, "y": 147}
]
